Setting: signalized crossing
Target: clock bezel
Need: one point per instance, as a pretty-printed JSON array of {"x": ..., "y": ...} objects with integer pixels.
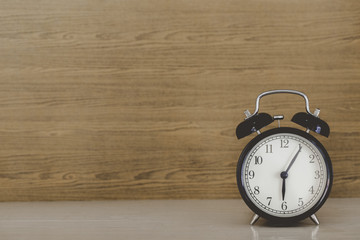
[{"x": 328, "y": 182}]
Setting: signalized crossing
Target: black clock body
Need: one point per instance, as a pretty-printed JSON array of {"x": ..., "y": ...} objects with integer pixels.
[{"x": 316, "y": 144}]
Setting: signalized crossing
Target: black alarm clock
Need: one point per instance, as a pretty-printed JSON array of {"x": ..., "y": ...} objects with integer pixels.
[{"x": 284, "y": 174}]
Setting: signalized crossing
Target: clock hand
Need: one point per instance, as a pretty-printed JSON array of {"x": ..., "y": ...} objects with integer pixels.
[
  {"x": 284, "y": 174},
  {"x": 283, "y": 189},
  {"x": 293, "y": 160}
]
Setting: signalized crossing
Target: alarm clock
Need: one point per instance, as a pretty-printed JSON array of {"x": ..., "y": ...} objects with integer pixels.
[{"x": 284, "y": 174}]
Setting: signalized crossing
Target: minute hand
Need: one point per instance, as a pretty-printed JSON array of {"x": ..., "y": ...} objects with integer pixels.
[{"x": 293, "y": 160}]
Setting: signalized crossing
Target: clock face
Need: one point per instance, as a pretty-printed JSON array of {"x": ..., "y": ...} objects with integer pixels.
[{"x": 285, "y": 174}]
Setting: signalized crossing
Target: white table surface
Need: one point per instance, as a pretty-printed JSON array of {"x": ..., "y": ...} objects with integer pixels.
[{"x": 168, "y": 219}]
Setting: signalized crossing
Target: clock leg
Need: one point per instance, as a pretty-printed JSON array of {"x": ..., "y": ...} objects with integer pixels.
[
  {"x": 254, "y": 219},
  {"x": 314, "y": 219}
]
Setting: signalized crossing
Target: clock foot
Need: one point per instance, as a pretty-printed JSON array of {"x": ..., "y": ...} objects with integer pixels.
[
  {"x": 254, "y": 219},
  {"x": 314, "y": 219}
]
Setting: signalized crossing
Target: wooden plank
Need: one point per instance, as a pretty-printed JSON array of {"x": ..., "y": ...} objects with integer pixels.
[{"x": 140, "y": 99}]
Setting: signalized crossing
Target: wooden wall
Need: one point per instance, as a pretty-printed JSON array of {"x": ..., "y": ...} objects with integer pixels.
[{"x": 140, "y": 99}]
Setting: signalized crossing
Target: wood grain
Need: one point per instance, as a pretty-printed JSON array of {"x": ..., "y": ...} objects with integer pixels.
[{"x": 140, "y": 99}]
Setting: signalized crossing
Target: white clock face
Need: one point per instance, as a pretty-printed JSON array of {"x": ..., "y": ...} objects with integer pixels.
[{"x": 284, "y": 175}]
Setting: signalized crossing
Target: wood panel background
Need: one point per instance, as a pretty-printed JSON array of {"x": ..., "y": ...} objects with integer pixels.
[{"x": 140, "y": 99}]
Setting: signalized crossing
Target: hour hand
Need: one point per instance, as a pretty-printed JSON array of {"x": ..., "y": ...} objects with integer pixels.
[
  {"x": 283, "y": 189},
  {"x": 283, "y": 175}
]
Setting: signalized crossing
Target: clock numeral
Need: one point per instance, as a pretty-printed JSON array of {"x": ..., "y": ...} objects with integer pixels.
[
  {"x": 312, "y": 157},
  {"x": 268, "y": 148},
  {"x": 284, "y": 206},
  {"x": 317, "y": 174},
  {"x": 251, "y": 174},
  {"x": 258, "y": 160},
  {"x": 256, "y": 190},
  {"x": 269, "y": 198},
  {"x": 284, "y": 143},
  {"x": 311, "y": 190},
  {"x": 301, "y": 202}
]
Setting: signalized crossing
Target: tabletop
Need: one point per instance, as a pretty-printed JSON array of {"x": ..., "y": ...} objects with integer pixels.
[{"x": 168, "y": 219}]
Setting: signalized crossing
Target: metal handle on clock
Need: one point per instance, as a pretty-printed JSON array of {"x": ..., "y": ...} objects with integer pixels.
[{"x": 248, "y": 115}]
